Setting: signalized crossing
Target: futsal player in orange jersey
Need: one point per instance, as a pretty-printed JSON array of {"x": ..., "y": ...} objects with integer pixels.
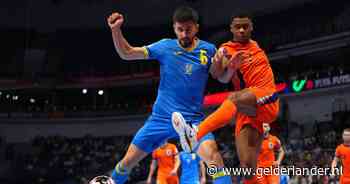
[
  {"x": 266, "y": 159},
  {"x": 253, "y": 102},
  {"x": 342, "y": 154},
  {"x": 167, "y": 159}
]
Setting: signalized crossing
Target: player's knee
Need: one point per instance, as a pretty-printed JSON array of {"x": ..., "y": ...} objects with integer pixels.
[
  {"x": 242, "y": 97},
  {"x": 234, "y": 96}
]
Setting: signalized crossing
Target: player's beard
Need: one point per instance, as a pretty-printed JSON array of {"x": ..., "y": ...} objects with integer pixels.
[{"x": 186, "y": 42}]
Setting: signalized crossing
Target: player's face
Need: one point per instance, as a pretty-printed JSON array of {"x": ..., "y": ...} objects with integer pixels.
[
  {"x": 266, "y": 128},
  {"x": 186, "y": 32},
  {"x": 241, "y": 29},
  {"x": 346, "y": 137}
]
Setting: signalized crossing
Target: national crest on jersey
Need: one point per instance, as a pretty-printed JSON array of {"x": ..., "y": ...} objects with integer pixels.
[{"x": 183, "y": 77}]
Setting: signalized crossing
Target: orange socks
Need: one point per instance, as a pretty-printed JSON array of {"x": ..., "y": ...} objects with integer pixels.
[{"x": 217, "y": 119}]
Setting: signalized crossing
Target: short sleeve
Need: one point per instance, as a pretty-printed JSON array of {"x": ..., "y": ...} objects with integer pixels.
[
  {"x": 155, "y": 50},
  {"x": 338, "y": 152},
  {"x": 277, "y": 145}
]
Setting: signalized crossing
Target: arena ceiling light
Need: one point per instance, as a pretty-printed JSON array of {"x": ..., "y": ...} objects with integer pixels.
[
  {"x": 100, "y": 92},
  {"x": 15, "y": 97},
  {"x": 32, "y": 100},
  {"x": 84, "y": 91}
]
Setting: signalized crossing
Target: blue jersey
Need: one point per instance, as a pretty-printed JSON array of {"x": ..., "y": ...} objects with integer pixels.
[
  {"x": 183, "y": 77},
  {"x": 284, "y": 179},
  {"x": 189, "y": 168}
]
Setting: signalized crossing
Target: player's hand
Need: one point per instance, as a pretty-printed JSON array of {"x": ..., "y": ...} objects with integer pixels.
[
  {"x": 149, "y": 181},
  {"x": 218, "y": 64},
  {"x": 219, "y": 57},
  {"x": 276, "y": 163},
  {"x": 115, "y": 20},
  {"x": 236, "y": 60}
]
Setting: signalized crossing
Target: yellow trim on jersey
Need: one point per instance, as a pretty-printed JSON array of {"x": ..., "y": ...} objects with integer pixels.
[{"x": 145, "y": 52}]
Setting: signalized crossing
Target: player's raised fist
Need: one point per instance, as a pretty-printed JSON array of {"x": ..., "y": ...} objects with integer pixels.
[{"x": 115, "y": 20}]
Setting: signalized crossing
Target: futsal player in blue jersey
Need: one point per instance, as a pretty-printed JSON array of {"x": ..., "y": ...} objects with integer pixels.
[
  {"x": 192, "y": 169},
  {"x": 184, "y": 68}
]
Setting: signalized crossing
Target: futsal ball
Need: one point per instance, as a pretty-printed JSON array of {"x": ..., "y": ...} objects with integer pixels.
[{"x": 102, "y": 180}]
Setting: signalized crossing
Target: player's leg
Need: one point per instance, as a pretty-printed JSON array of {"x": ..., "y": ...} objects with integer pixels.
[
  {"x": 242, "y": 101},
  {"x": 147, "y": 139},
  {"x": 210, "y": 154},
  {"x": 189, "y": 136},
  {"x": 248, "y": 142},
  {"x": 273, "y": 179},
  {"x": 206, "y": 147},
  {"x": 131, "y": 158}
]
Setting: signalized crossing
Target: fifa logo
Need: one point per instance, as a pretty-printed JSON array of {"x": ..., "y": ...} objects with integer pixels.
[{"x": 188, "y": 69}]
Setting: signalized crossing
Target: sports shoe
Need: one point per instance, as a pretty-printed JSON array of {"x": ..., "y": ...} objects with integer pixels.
[{"x": 187, "y": 134}]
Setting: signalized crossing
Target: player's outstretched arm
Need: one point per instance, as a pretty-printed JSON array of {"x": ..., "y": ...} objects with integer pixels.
[
  {"x": 151, "y": 171},
  {"x": 224, "y": 66},
  {"x": 217, "y": 68},
  {"x": 124, "y": 49},
  {"x": 334, "y": 163},
  {"x": 280, "y": 155}
]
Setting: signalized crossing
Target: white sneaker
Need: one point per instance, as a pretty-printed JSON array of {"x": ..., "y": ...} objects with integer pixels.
[{"x": 186, "y": 133}]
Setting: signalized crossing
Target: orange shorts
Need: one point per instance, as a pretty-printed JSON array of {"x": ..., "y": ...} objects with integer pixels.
[
  {"x": 266, "y": 110},
  {"x": 344, "y": 180},
  {"x": 167, "y": 180},
  {"x": 269, "y": 179}
]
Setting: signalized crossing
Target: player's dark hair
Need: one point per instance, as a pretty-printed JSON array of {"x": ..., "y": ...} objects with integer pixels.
[
  {"x": 241, "y": 15},
  {"x": 184, "y": 14}
]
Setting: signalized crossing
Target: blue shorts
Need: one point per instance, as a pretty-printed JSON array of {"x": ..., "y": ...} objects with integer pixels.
[
  {"x": 157, "y": 130},
  {"x": 189, "y": 181}
]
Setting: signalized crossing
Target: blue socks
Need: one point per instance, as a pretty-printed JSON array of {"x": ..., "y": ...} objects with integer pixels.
[
  {"x": 221, "y": 178},
  {"x": 119, "y": 174}
]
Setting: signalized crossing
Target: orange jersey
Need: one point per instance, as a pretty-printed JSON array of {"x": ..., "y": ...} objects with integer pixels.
[
  {"x": 165, "y": 157},
  {"x": 343, "y": 153},
  {"x": 267, "y": 151},
  {"x": 255, "y": 70}
]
